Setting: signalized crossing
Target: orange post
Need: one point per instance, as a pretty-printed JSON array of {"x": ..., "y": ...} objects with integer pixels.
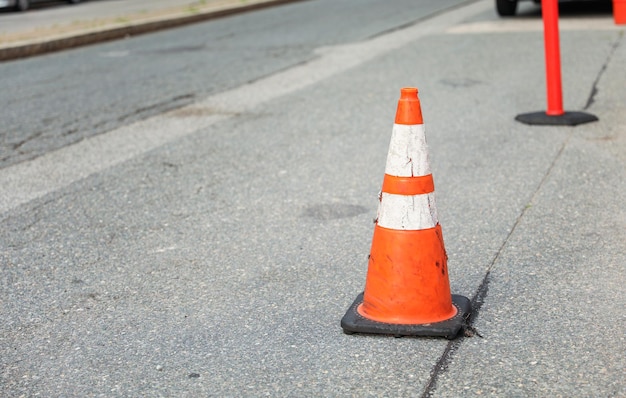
[
  {"x": 619, "y": 12},
  {"x": 407, "y": 288},
  {"x": 554, "y": 114},
  {"x": 550, "y": 12}
]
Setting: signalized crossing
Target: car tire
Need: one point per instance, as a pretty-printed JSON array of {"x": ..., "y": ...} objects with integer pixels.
[
  {"x": 22, "y": 5},
  {"x": 73, "y": 1},
  {"x": 506, "y": 8}
]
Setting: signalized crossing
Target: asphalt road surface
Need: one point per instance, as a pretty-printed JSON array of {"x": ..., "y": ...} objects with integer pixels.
[
  {"x": 52, "y": 101},
  {"x": 189, "y": 213}
]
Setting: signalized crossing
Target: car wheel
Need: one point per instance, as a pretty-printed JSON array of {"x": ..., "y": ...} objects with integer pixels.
[
  {"x": 22, "y": 5},
  {"x": 506, "y": 8}
]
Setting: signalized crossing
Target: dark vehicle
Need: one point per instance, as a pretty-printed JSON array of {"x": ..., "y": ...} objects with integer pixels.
[
  {"x": 507, "y": 8},
  {"x": 22, "y": 5}
]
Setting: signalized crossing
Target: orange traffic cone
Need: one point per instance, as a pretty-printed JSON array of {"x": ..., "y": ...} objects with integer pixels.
[{"x": 407, "y": 290}]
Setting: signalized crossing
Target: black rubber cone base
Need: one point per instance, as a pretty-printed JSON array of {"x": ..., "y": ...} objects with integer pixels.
[
  {"x": 566, "y": 119},
  {"x": 353, "y": 322}
]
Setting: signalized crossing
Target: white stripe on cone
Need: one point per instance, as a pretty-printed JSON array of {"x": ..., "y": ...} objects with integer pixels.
[
  {"x": 407, "y": 212},
  {"x": 408, "y": 152},
  {"x": 407, "y": 157}
]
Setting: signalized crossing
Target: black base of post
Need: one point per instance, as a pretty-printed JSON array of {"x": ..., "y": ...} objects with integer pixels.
[
  {"x": 353, "y": 322},
  {"x": 566, "y": 119}
]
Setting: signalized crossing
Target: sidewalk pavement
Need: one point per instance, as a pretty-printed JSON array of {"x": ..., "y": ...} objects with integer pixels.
[{"x": 52, "y": 29}]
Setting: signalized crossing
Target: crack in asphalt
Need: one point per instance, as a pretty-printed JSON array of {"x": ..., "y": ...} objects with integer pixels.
[
  {"x": 159, "y": 107},
  {"x": 594, "y": 86},
  {"x": 421, "y": 19},
  {"x": 17, "y": 153},
  {"x": 480, "y": 295}
]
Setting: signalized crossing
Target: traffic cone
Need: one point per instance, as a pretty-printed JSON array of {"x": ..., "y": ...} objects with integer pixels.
[{"x": 407, "y": 290}]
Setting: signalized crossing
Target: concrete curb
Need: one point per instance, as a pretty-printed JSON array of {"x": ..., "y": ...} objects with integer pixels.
[{"x": 82, "y": 38}]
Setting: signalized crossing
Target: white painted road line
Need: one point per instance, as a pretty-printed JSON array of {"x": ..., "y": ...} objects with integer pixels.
[{"x": 534, "y": 25}]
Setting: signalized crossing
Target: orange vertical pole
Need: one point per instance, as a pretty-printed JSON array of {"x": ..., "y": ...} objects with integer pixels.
[
  {"x": 554, "y": 114},
  {"x": 550, "y": 13},
  {"x": 619, "y": 12}
]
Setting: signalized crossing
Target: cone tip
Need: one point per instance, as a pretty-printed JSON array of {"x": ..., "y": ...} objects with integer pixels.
[
  {"x": 409, "y": 110},
  {"x": 408, "y": 93}
]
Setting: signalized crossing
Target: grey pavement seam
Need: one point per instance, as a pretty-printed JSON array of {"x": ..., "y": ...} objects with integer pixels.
[
  {"x": 425, "y": 18},
  {"x": 478, "y": 299},
  {"x": 594, "y": 87}
]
